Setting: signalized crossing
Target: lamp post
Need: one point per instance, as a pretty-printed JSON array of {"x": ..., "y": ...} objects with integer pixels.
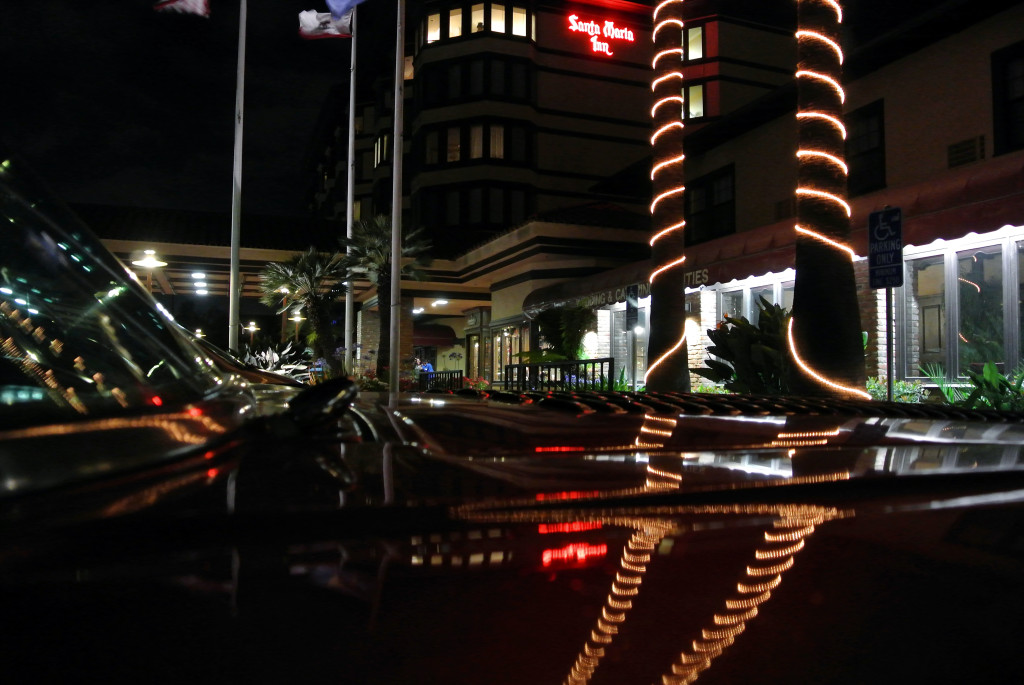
[
  {"x": 149, "y": 261},
  {"x": 284, "y": 313},
  {"x": 297, "y": 318},
  {"x": 252, "y": 328}
]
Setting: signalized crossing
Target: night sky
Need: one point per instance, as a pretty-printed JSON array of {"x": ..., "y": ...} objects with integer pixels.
[{"x": 114, "y": 103}]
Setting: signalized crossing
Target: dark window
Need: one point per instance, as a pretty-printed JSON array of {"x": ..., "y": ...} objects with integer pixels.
[
  {"x": 430, "y": 155},
  {"x": 1008, "y": 98},
  {"x": 454, "y": 81},
  {"x": 710, "y": 206},
  {"x": 476, "y": 205},
  {"x": 516, "y": 207},
  {"x": 865, "y": 148},
  {"x": 496, "y": 205},
  {"x": 516, "y": 145},
  {"x": 497, "y": 84},
  {"x": 518, "y": 86},
  {"x": 432, "y": 86},
  {"x": 452, "y": 208},
  {"x": 476, "y": 77}
]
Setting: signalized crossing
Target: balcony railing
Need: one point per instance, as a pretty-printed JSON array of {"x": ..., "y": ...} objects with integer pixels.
[
  {"x": 584, "y": 374},
  {"x": 439, "y": 381}
]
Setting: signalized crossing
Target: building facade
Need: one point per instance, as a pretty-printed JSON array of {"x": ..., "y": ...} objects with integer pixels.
[{"x": 525, "y": 121}]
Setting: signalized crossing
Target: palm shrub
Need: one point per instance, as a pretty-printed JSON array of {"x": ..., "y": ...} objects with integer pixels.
[
  {"x": 312, "y": 281},
  {"x": 564, "y": 328},
  {"x": 367, "y": 255},
  {"x": 745, "y": 358}
]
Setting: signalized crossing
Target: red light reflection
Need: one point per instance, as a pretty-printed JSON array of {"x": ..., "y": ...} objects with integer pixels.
[
  {"x": 572, "y": 527},
  {"x": 566, "y": 494},
  {"x": 577, "y": 552}
]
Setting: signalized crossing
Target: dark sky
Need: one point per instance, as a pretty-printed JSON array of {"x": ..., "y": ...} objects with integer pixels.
[{"x": 114, "y": 103}]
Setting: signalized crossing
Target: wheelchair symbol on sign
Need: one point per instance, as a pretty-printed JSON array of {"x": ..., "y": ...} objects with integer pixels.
[{"x": 883, "y": 229}]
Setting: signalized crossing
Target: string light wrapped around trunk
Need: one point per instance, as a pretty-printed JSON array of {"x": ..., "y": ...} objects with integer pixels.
[
  {"x": 825, "y": 334},
  {"x": 668, "y": 370}
]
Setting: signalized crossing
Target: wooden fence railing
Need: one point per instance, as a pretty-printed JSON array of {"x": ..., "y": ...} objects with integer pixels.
[
  {"x": 584, "y": 374},
  {"x": 439, "y": 381}
]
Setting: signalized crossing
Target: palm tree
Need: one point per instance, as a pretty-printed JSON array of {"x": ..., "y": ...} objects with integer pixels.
[
  {"x": 368, "y": 256},
  {"x": 313, "y": 281}
]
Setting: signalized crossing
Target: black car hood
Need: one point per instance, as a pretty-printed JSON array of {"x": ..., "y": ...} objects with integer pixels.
[{"x": 477, "y": 540}]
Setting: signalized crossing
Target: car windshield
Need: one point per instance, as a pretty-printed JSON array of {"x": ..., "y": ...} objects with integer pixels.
[{"x": 78, "y": 337}]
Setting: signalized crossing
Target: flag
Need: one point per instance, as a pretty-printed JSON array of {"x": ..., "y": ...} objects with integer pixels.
[
  {"x": 200, "y": 7},
  {"x": 313, "y": 24},
  {"x": 339, "y": 8}
]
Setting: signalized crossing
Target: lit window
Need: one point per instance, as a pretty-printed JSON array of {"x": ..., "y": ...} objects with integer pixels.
[
  {"x": 695, "y": 42},
  {"x": 498, "y": 18},
  {"x": 519, "y": 21},
  {"x": 455, "y": 23},
  {"x": 497, "y": 150},
  {"x": 381, "y": 153},
  {"x": 454, "y": 144},
  {"x": 695, "y": 102},
  {"x": 433, "y": 28},
  {"x": 477, "y": 18},
  {"x": 476, "y": 141}
]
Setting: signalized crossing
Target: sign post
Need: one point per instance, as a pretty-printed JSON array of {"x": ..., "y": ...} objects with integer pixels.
[{"x": 885, "y": 270}]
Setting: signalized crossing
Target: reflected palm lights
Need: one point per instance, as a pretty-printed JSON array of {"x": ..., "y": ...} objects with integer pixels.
[{"x": 772, "y": 558}]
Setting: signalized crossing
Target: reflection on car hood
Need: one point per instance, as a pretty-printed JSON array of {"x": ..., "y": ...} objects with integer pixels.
[{"x": 482, "y": 540}]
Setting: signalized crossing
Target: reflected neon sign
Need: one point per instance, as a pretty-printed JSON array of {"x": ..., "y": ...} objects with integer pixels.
[{"x": 602, "y": 33}]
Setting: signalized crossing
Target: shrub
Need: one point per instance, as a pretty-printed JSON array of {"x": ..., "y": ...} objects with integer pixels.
[
  {"x": 750, "y": 359},
  {"x": 902, "y": 391}
]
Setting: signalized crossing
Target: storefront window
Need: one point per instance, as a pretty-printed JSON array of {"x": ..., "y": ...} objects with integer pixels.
[
  {"x": 472, "y": 356},
  {"x": 507, "y": 342},
  {"x": 765, "y": 291},
  {"x": 925, "y": 314},
  {"x": 980, "y": 288},
  {"x": 1020, "y": 299},
  {"x": 786, "y": 301},
  {"x": 732, "y": 304}
]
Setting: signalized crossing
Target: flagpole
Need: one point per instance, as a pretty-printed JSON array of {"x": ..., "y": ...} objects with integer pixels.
[
  {"x": 349, "y": 303},
  {"x": 234, "y": 284},
  {"x": 396, "y": 207}
]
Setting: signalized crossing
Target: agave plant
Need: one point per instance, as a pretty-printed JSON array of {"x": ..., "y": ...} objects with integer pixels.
[{"x": 750, "y": 359}]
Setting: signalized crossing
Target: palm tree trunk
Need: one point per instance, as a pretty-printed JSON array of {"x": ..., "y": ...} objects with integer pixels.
[
  {"x": 323, "y": 341},
  {"x": 826, "y": 317}
]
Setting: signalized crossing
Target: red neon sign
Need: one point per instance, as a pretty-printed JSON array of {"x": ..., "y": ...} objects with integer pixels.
[
  {"x": 577, "y": 552},
  {"x": 601, "y": 33}
]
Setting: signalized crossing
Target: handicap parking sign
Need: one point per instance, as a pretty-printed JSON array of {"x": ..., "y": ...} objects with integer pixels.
[{"x": 885, "y": 248}]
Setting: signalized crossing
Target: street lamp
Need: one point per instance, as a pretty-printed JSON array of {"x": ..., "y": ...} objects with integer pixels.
[
  {"x": 252, "y": 328},
  {"x": 297, "y": 318},
  {"x": 149, "y": 261}
]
